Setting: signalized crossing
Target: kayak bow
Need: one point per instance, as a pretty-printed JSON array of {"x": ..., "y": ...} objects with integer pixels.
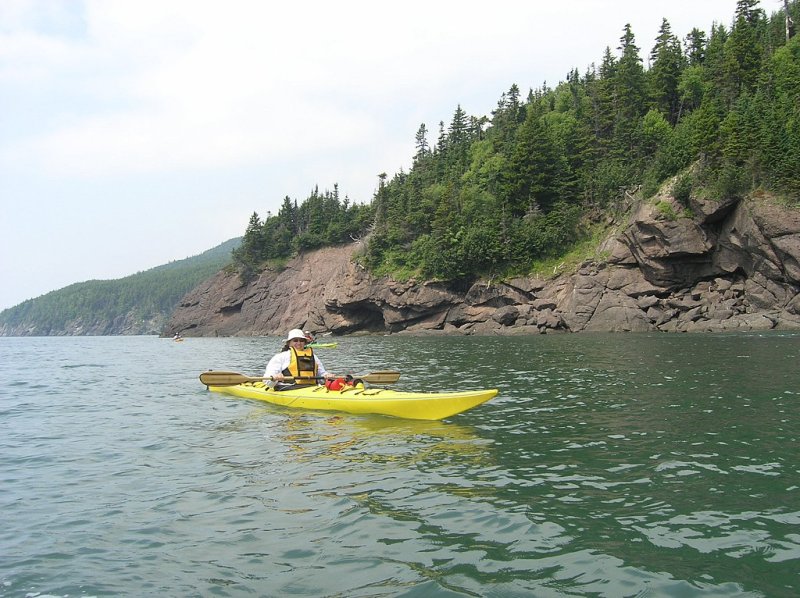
[{"x": 381, "y": 401}]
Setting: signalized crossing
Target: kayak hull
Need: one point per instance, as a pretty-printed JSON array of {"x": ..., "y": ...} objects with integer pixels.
[
  {"x": 380, "y": 401},
  {"x": 322, "y": 345}
]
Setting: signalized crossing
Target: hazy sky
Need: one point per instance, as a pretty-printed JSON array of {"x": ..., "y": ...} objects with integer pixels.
[{"x": 136, "y": 132}]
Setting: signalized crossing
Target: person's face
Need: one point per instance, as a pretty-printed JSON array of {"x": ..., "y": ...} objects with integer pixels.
[{"x": 298, "y": 342}]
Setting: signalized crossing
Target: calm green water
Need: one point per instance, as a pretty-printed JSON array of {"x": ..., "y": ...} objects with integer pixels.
[{"x": 609, "y": 465}]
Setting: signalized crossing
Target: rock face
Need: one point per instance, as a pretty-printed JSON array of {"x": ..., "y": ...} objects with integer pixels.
[{"x": 734, "y": 266}]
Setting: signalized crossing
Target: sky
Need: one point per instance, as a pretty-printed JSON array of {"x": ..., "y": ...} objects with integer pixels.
[{"x": 138, "y": 132}]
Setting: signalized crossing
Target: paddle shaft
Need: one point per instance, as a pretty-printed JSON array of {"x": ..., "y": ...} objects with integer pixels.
[{"x": 214, "y": 378}]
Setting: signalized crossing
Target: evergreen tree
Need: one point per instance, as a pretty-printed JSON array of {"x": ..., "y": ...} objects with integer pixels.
[
  {"x": 507, "y": 117},
  {"x": 714, "y": 62},
  {"x": 602, "y": 94},
  {"x": 630, "y": 84},
  {"x": 421, "y": 143},
  {"x": 534, "y": 169},
  {"x": 630, "y": 89},
  {"x": 457, "y": 132},
  {"x": 695, "y": 47},
  {"x": 665, "y": 72},
  {"x": 743, "y": 50},
  {"x": 249, "y": 254},
  {"x": 457, "y": 144},
  {"x": 441, "y": 143}
]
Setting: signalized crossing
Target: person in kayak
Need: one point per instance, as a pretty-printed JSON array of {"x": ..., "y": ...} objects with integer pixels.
[{"x": 295, "y": 361}]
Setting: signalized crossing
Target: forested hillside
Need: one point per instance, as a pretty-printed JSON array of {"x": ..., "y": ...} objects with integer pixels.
[
  {"x": 136, "y": 304},
  {"x": 719, "y": 110}
]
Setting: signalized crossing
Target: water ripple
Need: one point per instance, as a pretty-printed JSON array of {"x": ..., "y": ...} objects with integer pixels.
[{"x": 608, "y": 466}]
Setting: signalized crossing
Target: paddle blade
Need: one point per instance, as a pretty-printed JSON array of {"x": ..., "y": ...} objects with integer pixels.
[
  {"x": 224, "y": 378},
  {"x": 381, "y": 377}
]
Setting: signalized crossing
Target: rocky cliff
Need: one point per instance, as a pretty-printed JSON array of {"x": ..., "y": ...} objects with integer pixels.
[{"x": 734, "y": 265}]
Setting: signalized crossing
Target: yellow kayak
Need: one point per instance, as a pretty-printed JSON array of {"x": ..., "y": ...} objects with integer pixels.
[{"x": 382, "y": 401}]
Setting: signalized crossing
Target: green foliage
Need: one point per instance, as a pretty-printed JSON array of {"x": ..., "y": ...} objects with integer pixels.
[
  {"x": 682, "y": 189},
  {"x": 150, "y": 295},
  {"x": 492, "y": 197},
  {"x": 666, "y": 211},
  {"x": 322, "y": 219},
  {"x": 730, "y": 182},
  {"x": 656, "y": 133}
]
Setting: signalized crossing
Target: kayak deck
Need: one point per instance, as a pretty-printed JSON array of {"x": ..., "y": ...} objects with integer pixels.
[{"x": 381, "y": 401}]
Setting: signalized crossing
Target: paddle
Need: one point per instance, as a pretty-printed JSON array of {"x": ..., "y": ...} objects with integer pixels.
[{"x": 213, "y": 378}]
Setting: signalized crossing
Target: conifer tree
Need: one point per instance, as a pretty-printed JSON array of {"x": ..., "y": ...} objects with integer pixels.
[
  {"x": 603, "y": 98},
  {"x": 695, "y": 47},
  {"x": 631, "y": 93},
  {"x": 666, "y": 61},
  {"x": 630, "y": 80},
  {"x": 421, "y": 143},
  {"x": 507, "y": 117},
  {"x": 534, "y": 167},
  {"x": 457, "y": 132},
  {"x": 743, "y": 50}
]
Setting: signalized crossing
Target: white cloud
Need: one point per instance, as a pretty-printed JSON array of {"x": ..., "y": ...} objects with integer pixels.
[{"x": 205, "y": 84}]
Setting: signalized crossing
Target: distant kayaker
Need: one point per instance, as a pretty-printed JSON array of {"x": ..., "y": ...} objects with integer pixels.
[
  {"x": 297, "y": 361},
  {"x": 309, "y": 336}
]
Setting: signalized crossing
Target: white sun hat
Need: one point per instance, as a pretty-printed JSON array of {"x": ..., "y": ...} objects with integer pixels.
[{"x": 295, "y": 333}]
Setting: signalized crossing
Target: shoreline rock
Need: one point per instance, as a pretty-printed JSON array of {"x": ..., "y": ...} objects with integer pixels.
[{"x": 735, "y": 265}]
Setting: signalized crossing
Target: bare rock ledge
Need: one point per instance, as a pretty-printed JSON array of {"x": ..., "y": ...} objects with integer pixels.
[{"x": 734, "y": 266}]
